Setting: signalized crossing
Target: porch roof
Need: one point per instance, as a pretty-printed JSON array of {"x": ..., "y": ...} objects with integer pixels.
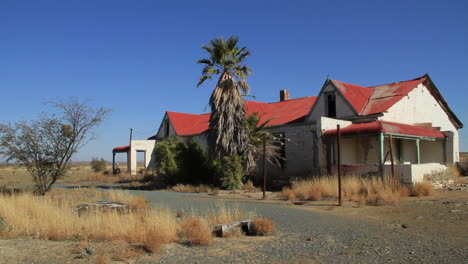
[
  {"x": 386, "y": 127},
  {"x": 121, "y": 149}
]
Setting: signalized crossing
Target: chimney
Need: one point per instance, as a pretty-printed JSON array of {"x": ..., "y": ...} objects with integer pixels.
[{"x": 284, "y": 95}]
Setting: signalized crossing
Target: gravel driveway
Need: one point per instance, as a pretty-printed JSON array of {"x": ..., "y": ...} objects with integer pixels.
[{"x": 304, "y": 236}]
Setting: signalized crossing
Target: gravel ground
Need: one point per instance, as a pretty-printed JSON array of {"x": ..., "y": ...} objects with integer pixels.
[{"x": 304, "y": 236}]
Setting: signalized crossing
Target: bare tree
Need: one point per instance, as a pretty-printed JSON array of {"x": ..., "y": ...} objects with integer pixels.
[{"x": 45, "y": 146}]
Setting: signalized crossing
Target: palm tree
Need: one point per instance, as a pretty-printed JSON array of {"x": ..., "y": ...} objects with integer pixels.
[
  {"x": 256, "y": 132},
  {"x": 227, "y": 134}
]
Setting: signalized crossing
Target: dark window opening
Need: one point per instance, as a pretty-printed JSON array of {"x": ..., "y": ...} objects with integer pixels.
[
  {"x": 331, "y": 105},
  {"x": 280, "y": 143},
  {"x": 399, "y": 151},
  {"x": 166, "y": 128}
]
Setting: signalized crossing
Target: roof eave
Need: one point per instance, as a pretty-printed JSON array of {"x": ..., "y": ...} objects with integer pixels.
[{"x": 438, "y": 96}]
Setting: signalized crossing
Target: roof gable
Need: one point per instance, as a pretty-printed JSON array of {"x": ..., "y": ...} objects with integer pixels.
[{"x": 357, "y": 96}]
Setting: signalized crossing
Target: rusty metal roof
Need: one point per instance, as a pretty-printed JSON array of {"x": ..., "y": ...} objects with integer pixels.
[
  {"x": 387, "y": 127},
  {"x": 279, "y": 113}
]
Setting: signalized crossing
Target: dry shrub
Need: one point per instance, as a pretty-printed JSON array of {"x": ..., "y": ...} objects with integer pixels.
[
  {"x": 288, "y": 194},
  {"x": 123, "y": 254},
  {"x": 382, "y": 198},
  {"x": 196, "y": 232},
  {"x": 222, "y": 214},
  {"x": 248, "y": 186},
  {"x": 422, "y": 189},
  {"x": 138, "y": 202},
  {"x": 191, "y": 188},
  {"x": 119, "y": 196},
  {"x": 97, "y": 176},
  {"x": 103, "y": 259},
  {"x": 371, "y": 191},
  {"x": 262, "y": 226}
]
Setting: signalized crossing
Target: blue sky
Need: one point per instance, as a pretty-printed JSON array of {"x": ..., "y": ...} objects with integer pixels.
[{"x": 139, "y": 57}]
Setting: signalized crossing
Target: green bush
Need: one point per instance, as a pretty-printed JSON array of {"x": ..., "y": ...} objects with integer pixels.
[
  {"x": 180, "y": 162},
  {"x": 2, "y": 224},
  {"x": 98, "y": 164},
  {"x": 166, "y": 153},
  {"x": 187, "y": 163},
  {"x": 232, "y": 172}
]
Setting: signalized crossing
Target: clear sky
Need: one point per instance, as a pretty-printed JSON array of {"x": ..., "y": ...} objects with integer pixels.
[{"x": 139, "y": 57}]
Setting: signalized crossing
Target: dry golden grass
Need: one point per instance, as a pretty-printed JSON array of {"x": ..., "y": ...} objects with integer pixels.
[
  {"x": 262, "y": 226},
  {"x": 103, "y": 259},
  {"x": 52, "y": 217},
  {"x": 196, "y": 231},
  {"x": 222, "y": 214},
  {"x": 370, "y": 191},
  {"x": 422, "y": 189},
  {"x": 44, "y": 218},
  {"x": 191, "y": 188},
  {"x": 138, "y": 202},
  {"x": 288, "y": 194},
  {"x": 249, "y": 186}
]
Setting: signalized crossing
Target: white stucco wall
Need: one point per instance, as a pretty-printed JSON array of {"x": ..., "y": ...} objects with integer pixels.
[
  {"x": 326, "y": 123},
  {"x": 419, "y": 106},
  {"x": 419, "y": 170},
  {"x": 147, "y": 146}
]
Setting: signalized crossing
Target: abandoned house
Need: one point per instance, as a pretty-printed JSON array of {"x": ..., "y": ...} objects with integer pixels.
[{"x": 423, "y": 128}]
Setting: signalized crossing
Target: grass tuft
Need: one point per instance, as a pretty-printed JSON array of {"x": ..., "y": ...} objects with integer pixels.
[
  {"x": 370, "y": 191},
  {"x": 196, "y": 232},
  {"x": 288, "y": 194},
  {"x": 262, "y": 226},
  {"x": 422, "y": 189}
]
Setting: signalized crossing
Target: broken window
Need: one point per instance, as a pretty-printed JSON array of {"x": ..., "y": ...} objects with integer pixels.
[
  {"x": 280, "y": 143},
  {"x": 330, "y": 104}
]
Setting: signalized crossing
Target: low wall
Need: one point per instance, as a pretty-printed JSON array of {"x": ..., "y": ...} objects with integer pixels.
[
  {"x": 419, "y": 170},
  {"x": 405, "y": 173}
]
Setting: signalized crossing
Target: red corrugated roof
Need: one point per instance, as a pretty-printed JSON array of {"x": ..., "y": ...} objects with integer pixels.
[
  {"x": 188, "y": 124},
  {"x": 279, "y": 113},
  {"x": 385, "y": 96},
  {"x": 357, "y": 96},
  {"x": 121, "y": 149},
  {"x": 376, "y": 99},
  {"x": 387, "y": 127}
]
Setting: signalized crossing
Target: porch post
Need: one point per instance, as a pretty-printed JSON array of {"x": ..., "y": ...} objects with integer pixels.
[
  {"x": 444, "y": 149},
  {"x": 113, "y": 162},
  {"x": 418, "y": 154},
  {"x": 381, "y": 148},
  {"x": 381, "y": 153}
]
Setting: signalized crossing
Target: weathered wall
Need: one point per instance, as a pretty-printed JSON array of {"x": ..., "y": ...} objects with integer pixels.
[
  {"x": 147, "y": 146},
  {"x": 343, "y": 109},
  {"x": 409, "y": 151},
  {"x": 299, "y": 149},
  {"x": 162, "y": 128},
  {"x": 432, "y": 151},
  {"x": 419, "y": 106},
  {"x": 419, "y": 170}
]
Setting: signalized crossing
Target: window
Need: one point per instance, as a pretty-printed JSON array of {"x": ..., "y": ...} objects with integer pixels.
[
  {"x": 166, "y": 128},
  {"x": 330, "y": 106},
  {"x": 280, "y": 143}
]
